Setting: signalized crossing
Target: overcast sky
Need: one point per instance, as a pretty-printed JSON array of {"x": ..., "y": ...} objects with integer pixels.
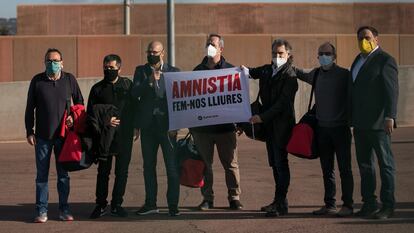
[{"x": 8, "y": 7}]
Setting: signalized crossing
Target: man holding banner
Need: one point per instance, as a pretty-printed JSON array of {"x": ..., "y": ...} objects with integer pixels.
[{"x": 221, "y": 135}]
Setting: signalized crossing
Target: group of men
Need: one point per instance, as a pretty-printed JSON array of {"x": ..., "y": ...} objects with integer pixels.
[{"x": 128, "y": 109}]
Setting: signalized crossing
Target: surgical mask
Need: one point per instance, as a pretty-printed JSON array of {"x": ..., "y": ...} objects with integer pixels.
[
  {"x": 279, "y": 61},
  {"x": 53, "y": 67},
  {"x": 110, "y": 75},
  {"x": 366, "y": 46},
  {"x": 325, "y": 60},
  {"x": 211, "y": 51},
  {"x": 153, "y": 59}
]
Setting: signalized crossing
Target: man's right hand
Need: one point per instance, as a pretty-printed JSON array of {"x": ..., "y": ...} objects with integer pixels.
[
  {"x": 114, "y": 122},
  {"x": 31, "y": 140}
]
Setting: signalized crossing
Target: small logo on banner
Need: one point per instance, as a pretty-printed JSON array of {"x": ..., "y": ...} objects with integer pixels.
[{"x": 206, "y": 117}]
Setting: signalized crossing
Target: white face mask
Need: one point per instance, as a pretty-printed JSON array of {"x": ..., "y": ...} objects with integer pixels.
[
  {"x": 279, "y": 61},
  {"x": 211, "y": 51}
]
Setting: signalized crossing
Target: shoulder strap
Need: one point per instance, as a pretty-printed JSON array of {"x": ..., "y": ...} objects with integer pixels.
[
  {"x": 68, "y": 94},
  {"x": 315, "y": 77}
]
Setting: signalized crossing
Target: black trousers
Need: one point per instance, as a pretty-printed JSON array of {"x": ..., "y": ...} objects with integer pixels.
[
  {"x": 151, "y": 140},
  {"x": 336, "y": 141},
  {"x": 366, "y": 142},
  {"x": 122, "y": 159},
  {"x": 278, "y": 160}
]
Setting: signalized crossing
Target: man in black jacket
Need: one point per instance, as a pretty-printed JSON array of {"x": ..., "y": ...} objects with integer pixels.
[
  {"x": 223, "y": 136},
  {"x": 152, "y": 119},
  {"x": 374, "y": 111},
  {"x": 332, "y": 102},
  {"x": 110, "y": 99},
  {"x": 277, "y": 87},
  {"x": 46, "y": 103}
]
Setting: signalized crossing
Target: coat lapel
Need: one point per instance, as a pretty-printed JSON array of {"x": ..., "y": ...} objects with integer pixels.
[{"x": 366, "y": 64}]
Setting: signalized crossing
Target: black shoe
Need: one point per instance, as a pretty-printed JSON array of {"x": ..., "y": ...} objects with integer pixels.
[
  {"x": 205, "y": 205},
  {"x": 282, "y": 210},
  {"x": 173, "y": 212},
  {"x": 145, "y": 210},
  {"x": 273, "y": 213},
  {"x": 384, "y": 213},
  {"x": 236, "y": 205},
  {"x": 366, "y": 211},
  {"x": 98, "y": 212},
  {"x": 269, "y": 207},
  {"x": 118, "y": 211}
]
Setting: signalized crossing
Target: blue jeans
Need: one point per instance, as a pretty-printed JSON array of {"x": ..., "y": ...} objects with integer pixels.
[
  {"x": 366, "y": 143},
  {"x": 43, "y": 151}
]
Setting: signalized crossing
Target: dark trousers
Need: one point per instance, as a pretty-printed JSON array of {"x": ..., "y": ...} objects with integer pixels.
[
  {"x": 122, "y": 160},
  {"x": 366, "y": 142},
  {"x": 279, "y": 162},
  {"x": 331, "y": 141},
  {"x": 151, "y": 139}
]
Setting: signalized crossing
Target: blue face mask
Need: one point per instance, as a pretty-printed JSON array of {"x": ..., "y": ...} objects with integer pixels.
[
  {"x": 325, "y": 60},
  {"x": 53, "y": 67}
]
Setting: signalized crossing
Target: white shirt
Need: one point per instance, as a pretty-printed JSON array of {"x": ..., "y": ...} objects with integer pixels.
[{"x": 360, "y": 63}]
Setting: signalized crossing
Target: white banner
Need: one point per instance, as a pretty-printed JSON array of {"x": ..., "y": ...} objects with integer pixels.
[{"x": 207, "y": 97}]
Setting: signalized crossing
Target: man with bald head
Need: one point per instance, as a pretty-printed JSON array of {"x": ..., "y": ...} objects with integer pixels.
[
  {"x": 332, "y": 102},
  {"x": 152, "y": 120}
]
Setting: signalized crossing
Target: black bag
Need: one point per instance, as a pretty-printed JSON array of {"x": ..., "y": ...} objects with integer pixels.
[
  {"x": 303, "y": 141},
  {"x": 255, "y": 131},
  {"x": 191, "y": 165}
]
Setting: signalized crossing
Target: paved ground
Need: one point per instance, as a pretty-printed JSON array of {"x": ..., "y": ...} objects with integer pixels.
[{"x": 305, "y": 194}]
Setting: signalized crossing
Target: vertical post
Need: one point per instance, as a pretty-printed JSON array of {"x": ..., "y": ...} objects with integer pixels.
[
  {"x": 171, "y": 32},
  {"x": 127, "y": 18}
]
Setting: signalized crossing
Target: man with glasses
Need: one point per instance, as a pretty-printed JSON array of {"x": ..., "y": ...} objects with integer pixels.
[
  {"x": 332, "y": 102},
  {"x": 46, "y": 103},
  {"x": 152, "y": 120},
  {"x": 110, "y": 100}
]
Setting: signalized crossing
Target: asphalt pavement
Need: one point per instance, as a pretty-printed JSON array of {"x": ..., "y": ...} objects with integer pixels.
[{"x": 17, "y": 196}]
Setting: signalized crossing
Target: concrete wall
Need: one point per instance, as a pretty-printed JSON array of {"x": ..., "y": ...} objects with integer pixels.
[
  {"x": 238, "y": 18},
  {"x": 13, "y": 101},
  {"x": 22, "y": 56}
]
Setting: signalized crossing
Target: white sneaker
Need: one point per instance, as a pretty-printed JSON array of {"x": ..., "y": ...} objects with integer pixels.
[{"x": 41, "y": 218}]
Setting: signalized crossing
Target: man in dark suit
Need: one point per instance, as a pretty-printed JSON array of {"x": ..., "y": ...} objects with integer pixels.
[
  {"x": 152, "y": 119},
  {"x": 278, "y": 86},
  {"x": 374, "y": 110}
]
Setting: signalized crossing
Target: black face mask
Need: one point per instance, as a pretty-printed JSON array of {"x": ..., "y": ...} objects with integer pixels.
[
  {"x": 153, "y": 60},
  {"x": 110, "y": 75}
]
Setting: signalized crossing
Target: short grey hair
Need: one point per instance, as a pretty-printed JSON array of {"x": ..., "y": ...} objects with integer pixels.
[{"x": 221, "y": 40}]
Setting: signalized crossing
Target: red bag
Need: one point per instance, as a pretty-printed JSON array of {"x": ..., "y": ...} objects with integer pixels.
[
  {"x": 302, "y": 142},
  {"x": 192, "y": 173},
  {"x": 72, "y": 157}
]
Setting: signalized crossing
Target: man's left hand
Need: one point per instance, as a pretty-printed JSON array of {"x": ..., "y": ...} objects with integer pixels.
[
  {"x": 69, "y": 121},
  {"x": 255, "y": 119},
  {"x": 389, "y": 125}
]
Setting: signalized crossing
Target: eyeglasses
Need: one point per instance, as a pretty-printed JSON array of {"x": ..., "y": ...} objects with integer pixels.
[
  {"x": 325, "y": 53},
  {"x": 52, "y": 60}
]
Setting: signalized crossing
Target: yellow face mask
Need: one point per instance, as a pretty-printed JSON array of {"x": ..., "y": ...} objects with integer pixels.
[{"x": 366, "y": 46}]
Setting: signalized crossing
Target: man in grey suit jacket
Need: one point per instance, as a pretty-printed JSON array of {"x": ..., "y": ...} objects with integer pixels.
[{"x": 374, "y": 110}]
